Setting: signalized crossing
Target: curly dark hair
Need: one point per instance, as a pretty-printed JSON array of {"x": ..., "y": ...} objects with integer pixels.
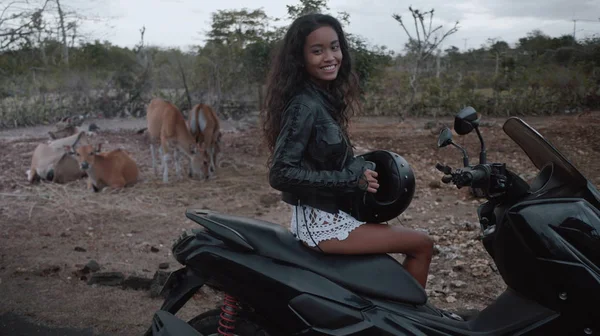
[{"x": 287, "y": 76}]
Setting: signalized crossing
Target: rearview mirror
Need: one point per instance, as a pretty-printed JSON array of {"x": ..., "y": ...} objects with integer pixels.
[
  {"x": 465, "y": 121},
  {"x": 445, "y": 137}
]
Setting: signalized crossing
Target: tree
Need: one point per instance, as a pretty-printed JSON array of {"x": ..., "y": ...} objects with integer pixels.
[
  {"x": 238, "y": 27},
  {"x": 18, "y": 21},
  {"x": 368, "y": 62},
  {"x": 422, "y": 43},
  {"x": 256, "y": 61},
  {"x": 235, "y": 49},
  {"x": 306, "y": 7},
  {"x": 498, "y": 49},
  {"x": 63, "y": 29},
  {"x": 33, "y": 22}
]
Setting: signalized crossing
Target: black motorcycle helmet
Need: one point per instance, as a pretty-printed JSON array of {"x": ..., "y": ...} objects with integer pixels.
[{"x": 396, "y": 188}]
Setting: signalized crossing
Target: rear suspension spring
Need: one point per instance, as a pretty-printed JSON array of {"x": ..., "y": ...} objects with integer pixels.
[{"x": 228, "y": 315}]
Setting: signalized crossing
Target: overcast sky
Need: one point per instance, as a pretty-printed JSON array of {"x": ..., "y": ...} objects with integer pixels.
[{"x": 183, "y": 22}]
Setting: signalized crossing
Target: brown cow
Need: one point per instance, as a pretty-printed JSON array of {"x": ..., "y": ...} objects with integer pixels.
[
  {"x": 50, "y": 162},
  {"x": 165, "y": 122},
  {"x": 204, "y": 125},
  {"x": 115, "y": 169}
]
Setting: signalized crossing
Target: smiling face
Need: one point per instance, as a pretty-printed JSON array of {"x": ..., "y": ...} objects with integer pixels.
[{"x": 322, "y": 54}]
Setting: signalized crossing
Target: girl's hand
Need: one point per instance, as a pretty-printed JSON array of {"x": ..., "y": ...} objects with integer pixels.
[{"x": 368, "y": 181}]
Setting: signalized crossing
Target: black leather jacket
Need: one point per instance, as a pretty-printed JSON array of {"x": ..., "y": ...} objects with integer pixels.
[{"x": 313, "y": 161}]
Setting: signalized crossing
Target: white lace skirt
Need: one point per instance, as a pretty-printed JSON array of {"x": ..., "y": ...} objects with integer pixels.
[{"x": 321, "y": 225}]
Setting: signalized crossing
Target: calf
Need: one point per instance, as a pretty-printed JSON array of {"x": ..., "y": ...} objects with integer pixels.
[
  {"x": 115, "y": 169},
  {"x": 166, "y": 123},
  {"x": 204, "y": 125},
  {"x": 50, "y": 162}
]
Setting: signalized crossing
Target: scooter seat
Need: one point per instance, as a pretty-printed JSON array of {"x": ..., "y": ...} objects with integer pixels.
[{"x": 379, "y": 276}]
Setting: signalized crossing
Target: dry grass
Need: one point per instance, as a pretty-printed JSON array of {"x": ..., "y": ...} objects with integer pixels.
[{"x": 44, "y": 222}]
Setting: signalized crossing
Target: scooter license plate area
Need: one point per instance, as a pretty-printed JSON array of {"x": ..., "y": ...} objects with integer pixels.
[
  {"x": 172, "y": 280},
  {"x": 182, "y": 281}
]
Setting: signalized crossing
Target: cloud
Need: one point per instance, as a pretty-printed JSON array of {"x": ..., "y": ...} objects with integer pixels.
[
  {"x": 182, "y": 22},
  {"x": 478, "y": 19},
  {"x": 547, "y": 9}
]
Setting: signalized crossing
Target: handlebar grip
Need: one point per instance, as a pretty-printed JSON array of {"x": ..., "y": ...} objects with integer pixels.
[
  {"x": 443, "y": 168},
  {"x": 477, "y": 175}
]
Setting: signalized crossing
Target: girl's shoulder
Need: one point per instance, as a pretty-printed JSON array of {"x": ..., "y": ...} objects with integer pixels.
[{"x": 306, "y": 99}]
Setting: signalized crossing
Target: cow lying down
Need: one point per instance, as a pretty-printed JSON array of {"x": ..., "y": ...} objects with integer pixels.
[
  {"x": 51, "y": 162},
  {"x": 114, "y": 169}
]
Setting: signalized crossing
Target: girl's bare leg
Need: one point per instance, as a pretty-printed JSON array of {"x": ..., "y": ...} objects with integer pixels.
[{"x": 383, "y": 238}]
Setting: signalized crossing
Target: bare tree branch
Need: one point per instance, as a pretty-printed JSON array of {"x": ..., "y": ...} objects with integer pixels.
[
  {"x": 399, "y": 19},
  {"x": 422, "y": 46},
  {"x": 23, "y": 12}
]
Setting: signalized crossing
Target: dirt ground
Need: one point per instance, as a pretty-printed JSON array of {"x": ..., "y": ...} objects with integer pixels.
[{"x": 48, "y": 231}]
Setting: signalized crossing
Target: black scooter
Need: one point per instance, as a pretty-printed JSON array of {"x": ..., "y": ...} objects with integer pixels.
[{"x": 544, "y": 238}]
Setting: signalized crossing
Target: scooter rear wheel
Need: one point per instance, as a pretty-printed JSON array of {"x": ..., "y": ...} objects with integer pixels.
[{"x": 208, "y": 323}]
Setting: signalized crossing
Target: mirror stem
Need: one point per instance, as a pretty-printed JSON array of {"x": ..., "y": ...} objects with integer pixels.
[
  {"x": 482, "y": 154},
  {"x": 464, "y": 151}
]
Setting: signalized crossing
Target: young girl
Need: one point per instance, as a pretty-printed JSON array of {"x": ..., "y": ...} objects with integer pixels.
[{"x": 311, "y": 94}]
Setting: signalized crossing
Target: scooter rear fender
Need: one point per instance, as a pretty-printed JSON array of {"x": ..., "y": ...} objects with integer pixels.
[{"x": 180, "y": 287}]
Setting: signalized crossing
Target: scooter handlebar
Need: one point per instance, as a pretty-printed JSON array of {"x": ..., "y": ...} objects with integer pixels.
[{"x": 467, "y": 176}]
